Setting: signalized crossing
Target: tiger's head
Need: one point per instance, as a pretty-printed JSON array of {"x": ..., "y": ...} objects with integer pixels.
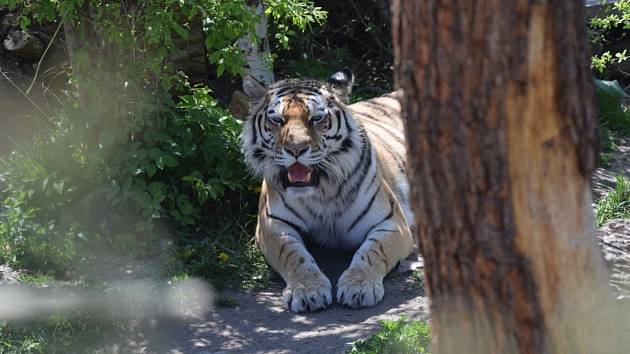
[{"x": 299, "y": 134}]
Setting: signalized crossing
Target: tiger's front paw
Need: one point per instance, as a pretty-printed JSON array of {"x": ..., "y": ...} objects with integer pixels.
[
  {"x": 308, "y": 295},
  {"x": 358, "y": 288}
]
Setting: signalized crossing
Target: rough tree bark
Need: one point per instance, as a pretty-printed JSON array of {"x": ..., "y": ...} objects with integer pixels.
[
  {"x": 73, "y": 44},
  {"x": 502, "y": 142},
  {"x": 256, "y": 46}
]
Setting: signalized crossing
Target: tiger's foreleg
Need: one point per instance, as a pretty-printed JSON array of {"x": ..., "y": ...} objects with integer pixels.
[
  {"x": 308, "y": 289},
  {"x": 361, "y": 285}
]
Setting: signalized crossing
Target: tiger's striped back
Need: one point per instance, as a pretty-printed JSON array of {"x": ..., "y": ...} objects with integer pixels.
[{"x": 383, "y": 123}]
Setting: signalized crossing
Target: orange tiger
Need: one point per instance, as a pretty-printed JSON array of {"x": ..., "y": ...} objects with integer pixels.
[{"x": 334, "y": 174}]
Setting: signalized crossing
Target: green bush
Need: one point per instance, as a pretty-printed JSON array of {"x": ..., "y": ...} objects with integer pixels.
[
  {"x": 396, "y": 337},
  {"x": 72, "y": 333},
  {"x": 614, "y": 16},
  {"x": 38, "y": 188},
  {"x": 611, "y": 114},
  {"x": 615, "y": 204},
  {"x": 137, "y": 156},
  {"x": 61, "y": 204},
  {"x": 613, "y": 118}
]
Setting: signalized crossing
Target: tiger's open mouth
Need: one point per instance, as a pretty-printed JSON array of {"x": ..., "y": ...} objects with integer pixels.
[{"x": 298, "y": 175}]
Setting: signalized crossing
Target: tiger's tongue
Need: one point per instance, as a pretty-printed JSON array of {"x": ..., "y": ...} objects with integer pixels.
[{"x": 298, "y": 173}]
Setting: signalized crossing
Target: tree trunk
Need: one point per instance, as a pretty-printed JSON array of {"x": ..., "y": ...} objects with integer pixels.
[
  {"x": 256, "y": 47},
  {"x": 73, "y": 44},
  {"x": 502, "y": 142}
]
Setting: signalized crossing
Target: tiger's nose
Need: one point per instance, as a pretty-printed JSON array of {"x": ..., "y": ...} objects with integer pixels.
[{"x": 296, "y": 149}]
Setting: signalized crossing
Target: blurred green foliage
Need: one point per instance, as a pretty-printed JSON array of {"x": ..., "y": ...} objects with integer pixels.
[
  {"x": 402, "y": 336},
  {"x": 62, "y": 204},
  {"x": 138, "y": 163},
  {"x": 615, "y": 204}
]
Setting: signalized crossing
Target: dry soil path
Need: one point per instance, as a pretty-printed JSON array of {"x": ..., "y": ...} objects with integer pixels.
[{"x": 258, "y": 324}]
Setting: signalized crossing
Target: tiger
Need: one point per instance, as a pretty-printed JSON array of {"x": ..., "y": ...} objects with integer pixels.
[{"x": 333, "y": 174}]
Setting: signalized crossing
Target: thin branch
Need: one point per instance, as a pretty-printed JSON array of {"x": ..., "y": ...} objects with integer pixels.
[
  {"x": 49, "y": 122},
  {"x": 358, "y": 11},
  {"x": 39, "y": 64}
]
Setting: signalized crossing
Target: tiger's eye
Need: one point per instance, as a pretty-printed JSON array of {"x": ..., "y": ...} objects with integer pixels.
[
  {"x": 319, "y": 118},
  {"x": 276, "y": 120}
]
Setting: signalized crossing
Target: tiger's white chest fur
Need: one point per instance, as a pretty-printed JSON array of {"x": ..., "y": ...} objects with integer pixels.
[
  {"x": 341, "y": 214},
  {"x": 332, "y": 220}
]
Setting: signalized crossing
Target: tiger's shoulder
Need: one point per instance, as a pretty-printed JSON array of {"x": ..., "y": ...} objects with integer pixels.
[
  {"x": 383, "y": 124},
  {"x": 384, "y": 109}
]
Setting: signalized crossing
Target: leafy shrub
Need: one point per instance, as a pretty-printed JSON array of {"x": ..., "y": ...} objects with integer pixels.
[
  {"x": 38, "y": 190},
  {"x": 613, "y": 118},
  {"x": 61, "y": 205},
  {"x": 614, "y": 16},
  {"x": 58, "y": 334},
  {"x": 615, "y": 204},
  {"x": 184, "y": 165},
  {"x": 127, "y": 165},
  {"x": 396, "y": 337},
  {"x": 611, "y": 113}
]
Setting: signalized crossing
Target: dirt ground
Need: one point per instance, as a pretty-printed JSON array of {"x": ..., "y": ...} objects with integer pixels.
[{"x": 258, "y": 324}]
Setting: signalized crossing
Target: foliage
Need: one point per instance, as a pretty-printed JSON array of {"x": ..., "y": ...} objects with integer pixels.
[
  {"x": 127, "y": 165},
  {"x": 614, "y": 16},
  {"x": 301, "y": 14},
  {"x": 418, "y": 277},
  {"x": 396, "y": 337},
  {"x": 614, "y": 120},
  {"x": 615, "y": 204},
  {"x": 187, "y": 157},
  {"x": 36, "y": 193},
  {"x": 612, "y": 114},
  {"x": 62, "y": 205},
  {"x": 228, "y": 260},
  {"x": 55, "y": 334}
]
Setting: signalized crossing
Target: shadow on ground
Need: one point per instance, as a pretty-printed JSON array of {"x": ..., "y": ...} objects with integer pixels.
[{"x": 259, "y": 324}]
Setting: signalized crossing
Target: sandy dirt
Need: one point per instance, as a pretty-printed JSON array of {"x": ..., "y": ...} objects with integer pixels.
[{"x": 259, "y": 324}]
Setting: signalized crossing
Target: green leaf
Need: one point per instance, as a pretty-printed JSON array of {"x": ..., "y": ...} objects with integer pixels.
[
  {"x": 157, "y": 190},
  {"x": 169, "y": 160},
  {"x": 151, "y": 169},
  {"x": 180, "y": 30},
  {"x": 184, "y": 205}
]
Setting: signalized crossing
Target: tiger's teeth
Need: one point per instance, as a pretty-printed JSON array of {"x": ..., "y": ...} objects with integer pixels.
[{"x": 307, "y": 178}]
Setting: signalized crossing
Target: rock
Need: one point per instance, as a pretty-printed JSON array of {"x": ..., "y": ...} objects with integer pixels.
[
  {"x": 239, "y": 106},
  {"x": 25, "y": 45},
  {"x": 614, "y": 239},
  {"x": 8, "y": 276}
]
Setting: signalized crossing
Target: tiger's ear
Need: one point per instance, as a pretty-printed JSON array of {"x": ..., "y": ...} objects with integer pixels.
[
  {"x": 254, "y": 89},
  {"x": 341, "y": 83}
]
